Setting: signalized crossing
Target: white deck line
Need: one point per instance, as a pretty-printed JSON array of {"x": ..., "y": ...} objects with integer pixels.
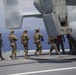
[{"x": 44, "y": 71}]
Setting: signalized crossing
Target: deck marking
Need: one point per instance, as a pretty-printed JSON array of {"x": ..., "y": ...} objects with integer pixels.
[{"x": 43, "y": 71}]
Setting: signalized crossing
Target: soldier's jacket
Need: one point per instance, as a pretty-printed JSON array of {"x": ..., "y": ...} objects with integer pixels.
[
  {"x": 12, "y": 39},
  {"x": 38, "y": 36},
  {"x": 24, "y": 38}
]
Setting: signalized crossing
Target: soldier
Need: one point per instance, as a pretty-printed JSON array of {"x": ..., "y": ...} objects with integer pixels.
[
  {"x": 13, "y": 39},
  {"x": 24, "y": 41},
  {"x": 1, "y": 44},
  {"x": 38, "y": 37},
  {"x": 53, "y": 45}
]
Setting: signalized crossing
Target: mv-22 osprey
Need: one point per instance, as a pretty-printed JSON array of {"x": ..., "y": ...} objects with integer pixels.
[{"x": 53, "y": 12}]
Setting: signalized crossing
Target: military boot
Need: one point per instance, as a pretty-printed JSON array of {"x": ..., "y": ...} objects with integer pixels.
[{"x": 11, "y": 56}]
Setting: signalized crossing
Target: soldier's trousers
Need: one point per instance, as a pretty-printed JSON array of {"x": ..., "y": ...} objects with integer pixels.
[
  {"x": 39, "y": 49},
  {"x": 26, "y": 49},
  {"x": 14, "y": 51},
  {"x": 53, "y": 46}
]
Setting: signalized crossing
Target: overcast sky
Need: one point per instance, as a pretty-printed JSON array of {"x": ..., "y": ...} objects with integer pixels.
[{"x": 28, "y": 23}]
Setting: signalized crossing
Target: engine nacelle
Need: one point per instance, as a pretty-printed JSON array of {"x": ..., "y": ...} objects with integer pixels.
[{"x": 55, "y": 17}]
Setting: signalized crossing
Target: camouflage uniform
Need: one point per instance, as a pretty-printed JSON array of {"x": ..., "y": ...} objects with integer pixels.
[
  {"x": 1, "y": 58},
  {"x": 13, "y": 39},
  {"x": 24, "y": 41},
  {"x": 38, "y": 37},
  {"x": 53, "y": 46}
]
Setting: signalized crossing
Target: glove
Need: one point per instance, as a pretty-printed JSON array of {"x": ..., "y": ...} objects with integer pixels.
[{"x": 42, "y": 39}]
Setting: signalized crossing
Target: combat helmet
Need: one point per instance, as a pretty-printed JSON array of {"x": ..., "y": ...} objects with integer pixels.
[
  {"x": 25, "y": 30},
  {"x": 37, "y": 29},
  {"x": 11, "y": 31}
]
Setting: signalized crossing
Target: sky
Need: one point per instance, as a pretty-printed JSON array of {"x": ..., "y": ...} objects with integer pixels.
[{"x": 28, "y": 23}]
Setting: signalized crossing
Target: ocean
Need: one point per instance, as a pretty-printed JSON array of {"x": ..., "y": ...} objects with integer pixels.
[{"x": 32, "y": 46}]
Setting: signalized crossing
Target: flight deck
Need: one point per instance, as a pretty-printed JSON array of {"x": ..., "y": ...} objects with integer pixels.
[{"x": 38, "y": 65}]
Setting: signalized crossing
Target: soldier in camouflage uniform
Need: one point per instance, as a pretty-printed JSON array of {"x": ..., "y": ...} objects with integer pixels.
[
  {"x": 38, "y": 37},
  {"x": 13, "y": 39},
  {"x": 1, "y": 44},
  {"x": 24, "y": 41},
  {"x": 53, "y": 45}
]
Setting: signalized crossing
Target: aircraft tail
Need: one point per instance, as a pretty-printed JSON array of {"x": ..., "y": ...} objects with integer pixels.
[{"x": 13, "y": 14}]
